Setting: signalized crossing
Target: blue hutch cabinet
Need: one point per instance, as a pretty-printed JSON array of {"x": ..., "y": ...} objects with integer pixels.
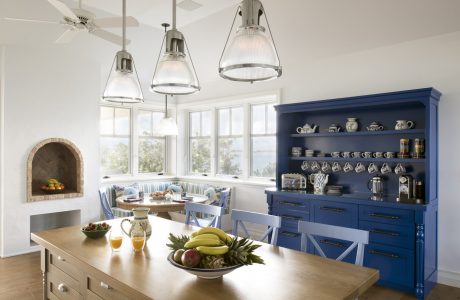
[{"x": 403, "y": 234}]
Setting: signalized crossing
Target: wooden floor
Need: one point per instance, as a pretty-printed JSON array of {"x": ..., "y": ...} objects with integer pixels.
[{"x": 21, "y": 278}]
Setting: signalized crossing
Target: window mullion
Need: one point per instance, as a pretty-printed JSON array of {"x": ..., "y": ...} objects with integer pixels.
[
  {"x": 214, "y": 142},
  {"x": 135, "y": 142},
  {"x": 246, "y": 163}
]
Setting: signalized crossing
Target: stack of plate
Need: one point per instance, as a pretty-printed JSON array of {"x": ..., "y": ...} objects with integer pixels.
[{"x": 334, "y": 190}]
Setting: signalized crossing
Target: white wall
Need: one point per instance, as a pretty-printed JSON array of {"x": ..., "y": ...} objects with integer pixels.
[{"x": 49, "y": 92}]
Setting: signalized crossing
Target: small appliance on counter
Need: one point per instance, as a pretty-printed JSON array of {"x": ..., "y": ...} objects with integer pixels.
[
  {"x": 375, "y": 186},
  {"x": 293, "y": 181},
  {"x": 406, "y": 188}
]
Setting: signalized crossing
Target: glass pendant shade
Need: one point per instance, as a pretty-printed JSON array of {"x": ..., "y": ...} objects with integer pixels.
[
  {"x": 167, "y": 126},
  {"x": 250, "y": 56},
  {"x": 174, "y": 76},
  {"x": 123, "y": 85}
]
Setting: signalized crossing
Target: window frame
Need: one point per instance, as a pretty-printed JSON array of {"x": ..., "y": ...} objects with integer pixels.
[
  {"x": 190, "y": 138},
  {"x": 133, "y": 159},
  {"x": 213, "y": 105}
]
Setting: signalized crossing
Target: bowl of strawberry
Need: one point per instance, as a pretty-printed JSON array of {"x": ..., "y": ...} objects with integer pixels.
[{"x": 95, "y": 230}]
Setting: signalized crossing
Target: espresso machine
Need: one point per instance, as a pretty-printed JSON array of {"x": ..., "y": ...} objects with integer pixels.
[
  {"x": 375, "y": 185},
  {"x": 406, "y": 187}
]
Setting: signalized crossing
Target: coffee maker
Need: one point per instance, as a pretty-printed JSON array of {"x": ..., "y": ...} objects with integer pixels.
[
  {"x": 375, "y": 185},
  {"x": 406, "y": 187}
]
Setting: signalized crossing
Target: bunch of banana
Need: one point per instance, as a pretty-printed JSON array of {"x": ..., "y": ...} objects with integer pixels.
[{"x": 209, "y": 241}]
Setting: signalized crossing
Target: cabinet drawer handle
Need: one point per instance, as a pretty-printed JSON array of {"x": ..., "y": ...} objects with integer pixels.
[
  {"x": 378, "y": 231},
  {"x": 291, "y": 217},
  {"x": 62, "y": 288},
  {"x": 61, "y": 258},
  {"x": 392, "y": 255},
  {"x": 292, "y": 203},
  {"x": 105, "y": 285},
  {"x": 384, "y": 216},
  {"x": 290, "y": 234},
  {"x": 334, "y": 209},
  {"x": 331, "y": 243}
]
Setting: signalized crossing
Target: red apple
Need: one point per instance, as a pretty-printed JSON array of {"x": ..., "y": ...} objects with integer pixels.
[{"x": 191, "y": 258}]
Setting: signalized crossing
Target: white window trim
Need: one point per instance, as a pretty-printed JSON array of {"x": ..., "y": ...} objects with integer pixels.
[
  {"x": 273, "y": 96},
  {"x": 134, "y": 140}
]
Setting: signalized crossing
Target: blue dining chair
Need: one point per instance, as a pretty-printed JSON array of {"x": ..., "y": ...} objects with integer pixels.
[
  {"x": 273, "y": 223},
  {"x": 192, "y": 209},
  {"x": 359, "y": 238}
]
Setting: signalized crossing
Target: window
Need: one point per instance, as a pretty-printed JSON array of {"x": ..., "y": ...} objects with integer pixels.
[
  {"x": 200, "y": 142},
  {"x": 115, "y": 128},
  {"x": 230, "y": 141},
  {"x": 263, "y": 140},
  {"x": 151, "y": 146},
  {"x": 233, "y": 137},
  {"x": 129, "y": 143}
]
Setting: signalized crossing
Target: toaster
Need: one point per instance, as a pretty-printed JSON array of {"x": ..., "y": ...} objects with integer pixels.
[{"x": 293, "y": 181}]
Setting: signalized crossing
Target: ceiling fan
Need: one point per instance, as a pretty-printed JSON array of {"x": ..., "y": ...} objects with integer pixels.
[{"x": 78, "y": 20}]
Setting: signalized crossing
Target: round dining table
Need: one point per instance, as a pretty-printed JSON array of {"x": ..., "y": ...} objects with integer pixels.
[{"x": 160, "y": 206}]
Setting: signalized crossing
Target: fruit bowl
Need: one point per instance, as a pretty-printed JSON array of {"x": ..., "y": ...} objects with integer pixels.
[
  {"x": 95, "y": 231},
  {"x": 50, "y": 191},
  {"x": 203, "y": 273}
]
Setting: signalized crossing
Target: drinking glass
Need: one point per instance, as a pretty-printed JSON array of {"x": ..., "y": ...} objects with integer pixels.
[
  {"x": 115, "y": 239},
  {"x": 138, "y": 238}
]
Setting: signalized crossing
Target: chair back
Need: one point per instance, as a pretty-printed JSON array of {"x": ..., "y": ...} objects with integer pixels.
[
  {"x": 359, "y": 238},
  {"x": 106, "y": 207},
  {"x": 191, "y": 218},
  {"x": 224, "y": 200},
  {"x": 273, "y": 223}
]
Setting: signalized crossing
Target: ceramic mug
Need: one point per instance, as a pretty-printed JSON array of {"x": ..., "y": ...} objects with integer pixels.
[
  {"x": 309, "y": 152},
  {"x": 301, "y": 130},
  {"x": 372, "y": 168},
  {"x": 389, "y": 154},
  {"x": 335, "y": 154},
  {"x": 399, "y": 169},
  {"x": 304, "y": 166},
  {"x": 325, "y": 167},
  {"x": 356, "y": 154},
  {"x": 385, "y": 168},
  {"x": 315, "y": 166},
  {"x": 336, "y": 167},
  {"x": 366, "y": 154},
  {"x": 346, "y": 154},
  {"x": 377, "y": 154},
  {"x": 404, "y": 124},
  {"x": 360, "y": 168},
  {"x": 348, "y": 167}
]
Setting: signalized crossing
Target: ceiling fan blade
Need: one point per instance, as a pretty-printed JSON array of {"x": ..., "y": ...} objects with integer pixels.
[
  {"x": 115, "y": 22},
  {"x": 30, "y": 20},
  {"x": 64, "y": 9},
  {"x": 108, "y": 36},
  {"x": 67, "y": 36}
]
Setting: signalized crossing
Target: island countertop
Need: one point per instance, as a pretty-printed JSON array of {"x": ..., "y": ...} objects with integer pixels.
[{"x": 287, "y": 274}]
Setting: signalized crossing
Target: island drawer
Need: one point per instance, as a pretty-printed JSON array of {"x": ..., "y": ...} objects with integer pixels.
[
  {"x": 396, "y": 265},
  {"x": 105, "y": 290},
  {"x": 61, "y": 262},
  {"x": 386, "y": 215},
  {"x": 61, "y": 285},
  {"x": 335, "y": 213},
  {"x": 400, "y": 236},
  {"x": 92, "y": 296}
]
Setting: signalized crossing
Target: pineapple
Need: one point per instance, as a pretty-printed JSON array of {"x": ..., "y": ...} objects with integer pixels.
[
  {"x": 177, "y": 242},
  {"x": 212, "y": 262},
  {"x": 241, "y": 252}
]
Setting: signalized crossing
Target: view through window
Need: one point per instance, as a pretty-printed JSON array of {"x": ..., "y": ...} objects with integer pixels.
[
  {"x": 200, "y": 142},
  {"x": 230, "y": 141},
  {"x": 263, "y": 140},
  {"x": 151, "y": 145}
]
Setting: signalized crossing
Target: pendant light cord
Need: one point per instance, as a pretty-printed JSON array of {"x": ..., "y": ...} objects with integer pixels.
[
  {"x": 174, "y": 15},
  {"x": 124, "y": 25}
]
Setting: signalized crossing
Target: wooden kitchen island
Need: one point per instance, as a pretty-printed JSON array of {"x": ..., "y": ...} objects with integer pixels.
[{"x": 76, "y": 267}]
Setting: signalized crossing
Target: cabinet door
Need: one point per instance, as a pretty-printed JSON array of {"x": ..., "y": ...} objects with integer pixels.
[
  {"x": 335, "y": 213},
  {"x": 289, "y": 237},
  {"x": 393, "y": 235},
  {"x": 333, "y": 248}
]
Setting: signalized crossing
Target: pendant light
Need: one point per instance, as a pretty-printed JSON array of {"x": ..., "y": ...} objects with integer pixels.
[
  {"x": 251, "y": 55},
  {"x": 167, "y": 126},
  {"x": 173, "y": 74},
  {"x": 123, "y": 83}
]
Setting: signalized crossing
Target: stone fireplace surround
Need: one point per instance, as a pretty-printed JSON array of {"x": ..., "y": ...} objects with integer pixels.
[{"x": 54, "y": 158}]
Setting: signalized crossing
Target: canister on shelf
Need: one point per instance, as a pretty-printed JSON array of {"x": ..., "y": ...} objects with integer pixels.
[
  {"x": 404, "y": 146},
  {"x": 419, "y": 190},
  {"x": 419, "y": 148}
]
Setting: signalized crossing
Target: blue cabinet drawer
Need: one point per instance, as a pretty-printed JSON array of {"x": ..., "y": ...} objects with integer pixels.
[
  {"x": 290, "y": 218},
  {"x": 289, "y": 238},
  {"x": 386, "y": 215},
  {"x": 291, "y": 203},
  {"x": 333, "y": 248},
  {"x": 393, "y": 235},
  {"x": 336, "y": 213},
  {"x": 396, "y": 265}
]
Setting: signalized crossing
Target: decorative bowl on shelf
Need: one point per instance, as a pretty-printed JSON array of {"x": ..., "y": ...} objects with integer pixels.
[{"x": 203, "y": 273}]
